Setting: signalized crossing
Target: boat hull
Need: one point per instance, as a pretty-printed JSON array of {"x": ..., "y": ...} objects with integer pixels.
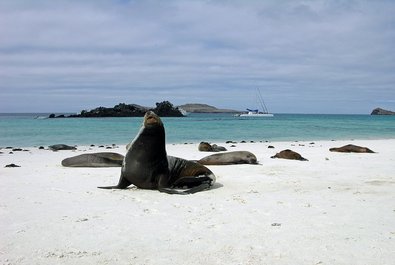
[{"x": 257, "y": 115}]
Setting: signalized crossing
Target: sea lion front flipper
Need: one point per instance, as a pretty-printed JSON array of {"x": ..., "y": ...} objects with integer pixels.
[{"x": 122, "y": 184}]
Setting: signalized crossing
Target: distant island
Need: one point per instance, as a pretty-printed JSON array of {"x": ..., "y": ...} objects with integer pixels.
[
  {"x": 204, "y": 108},
  {"x": 163, "y": 109},
  {"x": 380, "y": 111}
]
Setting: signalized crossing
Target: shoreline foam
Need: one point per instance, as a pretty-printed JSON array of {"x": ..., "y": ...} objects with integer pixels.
[{"x": 335, "y": 208}]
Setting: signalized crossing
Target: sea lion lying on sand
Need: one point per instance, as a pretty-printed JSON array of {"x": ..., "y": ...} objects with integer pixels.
[
  {"x": 105, "y": 159},
  {"x": 206, "y": 147},
  {"x": 289, "y": 154},
  {"x": 350, "y": 148},
  {"x": 58, "y": 147},
  {"x": 229, "y": 158}
]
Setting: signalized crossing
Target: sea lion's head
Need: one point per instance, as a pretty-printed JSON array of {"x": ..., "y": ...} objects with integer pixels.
[
  {"x": 152, "y": 120},
  {"x": 152, "y": 128}
]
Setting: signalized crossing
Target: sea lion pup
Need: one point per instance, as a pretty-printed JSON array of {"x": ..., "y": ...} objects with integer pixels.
[
  {"x": 350, "y": 148},
  {"x": 147, "y": 166}
]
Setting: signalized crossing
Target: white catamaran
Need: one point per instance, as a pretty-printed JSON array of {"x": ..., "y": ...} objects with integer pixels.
[{"x": 255, "y": 112}]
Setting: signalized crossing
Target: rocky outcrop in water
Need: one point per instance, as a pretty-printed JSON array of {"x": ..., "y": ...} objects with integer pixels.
[
  {"x": 163, "y": 109},
  {"x": 380, "y": 111}
]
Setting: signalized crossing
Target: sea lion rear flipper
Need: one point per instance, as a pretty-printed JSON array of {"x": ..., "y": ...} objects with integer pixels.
[
  {"x": 197, "y": 183},
  {"x": 122, "y": 184},
  {"x": 201, "y": 187}
]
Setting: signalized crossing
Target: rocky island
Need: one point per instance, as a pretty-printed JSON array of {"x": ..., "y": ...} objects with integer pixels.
[
  {"x": 204, "y": 108},
  {"x": 163, "y": 109},
  {"x": 380, "y": 111}
]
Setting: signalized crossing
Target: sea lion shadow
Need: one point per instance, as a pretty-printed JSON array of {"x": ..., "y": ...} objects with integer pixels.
[{"x": 215, "y": 186}]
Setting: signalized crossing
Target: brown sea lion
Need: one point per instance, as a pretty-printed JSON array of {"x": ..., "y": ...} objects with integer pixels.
[
  {"x": 350, "y": 148},
  {"x": 289, "y": 154},
  {"x": 147, "y": 166},
  {"x": 206, "y": 147}
]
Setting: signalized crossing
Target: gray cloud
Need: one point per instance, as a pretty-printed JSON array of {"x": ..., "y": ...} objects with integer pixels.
[{"x": 306, "y": 56}]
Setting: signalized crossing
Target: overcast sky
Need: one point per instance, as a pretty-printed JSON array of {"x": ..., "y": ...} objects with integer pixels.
[{"x": 305, "y": 56}]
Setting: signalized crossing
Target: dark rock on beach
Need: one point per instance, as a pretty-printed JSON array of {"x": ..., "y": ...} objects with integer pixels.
[
  {"x": 12, "y": 165},
  {"x": 17, "y": 149}
]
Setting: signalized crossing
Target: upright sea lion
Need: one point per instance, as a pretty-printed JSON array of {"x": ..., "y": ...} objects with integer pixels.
[
  {"x": 147, "y": 166},
  {"x": 350, "y": 148}
]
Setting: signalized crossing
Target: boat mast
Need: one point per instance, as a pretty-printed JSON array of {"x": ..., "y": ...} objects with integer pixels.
[{"x": 263, "y": 105}]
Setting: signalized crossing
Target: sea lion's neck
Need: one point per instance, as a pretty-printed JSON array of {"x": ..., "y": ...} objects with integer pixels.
[{"x": 152, "y": 141}]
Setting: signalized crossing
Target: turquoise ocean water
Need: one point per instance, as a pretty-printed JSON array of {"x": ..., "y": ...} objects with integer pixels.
[{"x": 23, "y": 130}]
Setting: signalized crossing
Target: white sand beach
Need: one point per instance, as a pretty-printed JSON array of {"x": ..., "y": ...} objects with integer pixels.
[{"x": 336, "y": 208}]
